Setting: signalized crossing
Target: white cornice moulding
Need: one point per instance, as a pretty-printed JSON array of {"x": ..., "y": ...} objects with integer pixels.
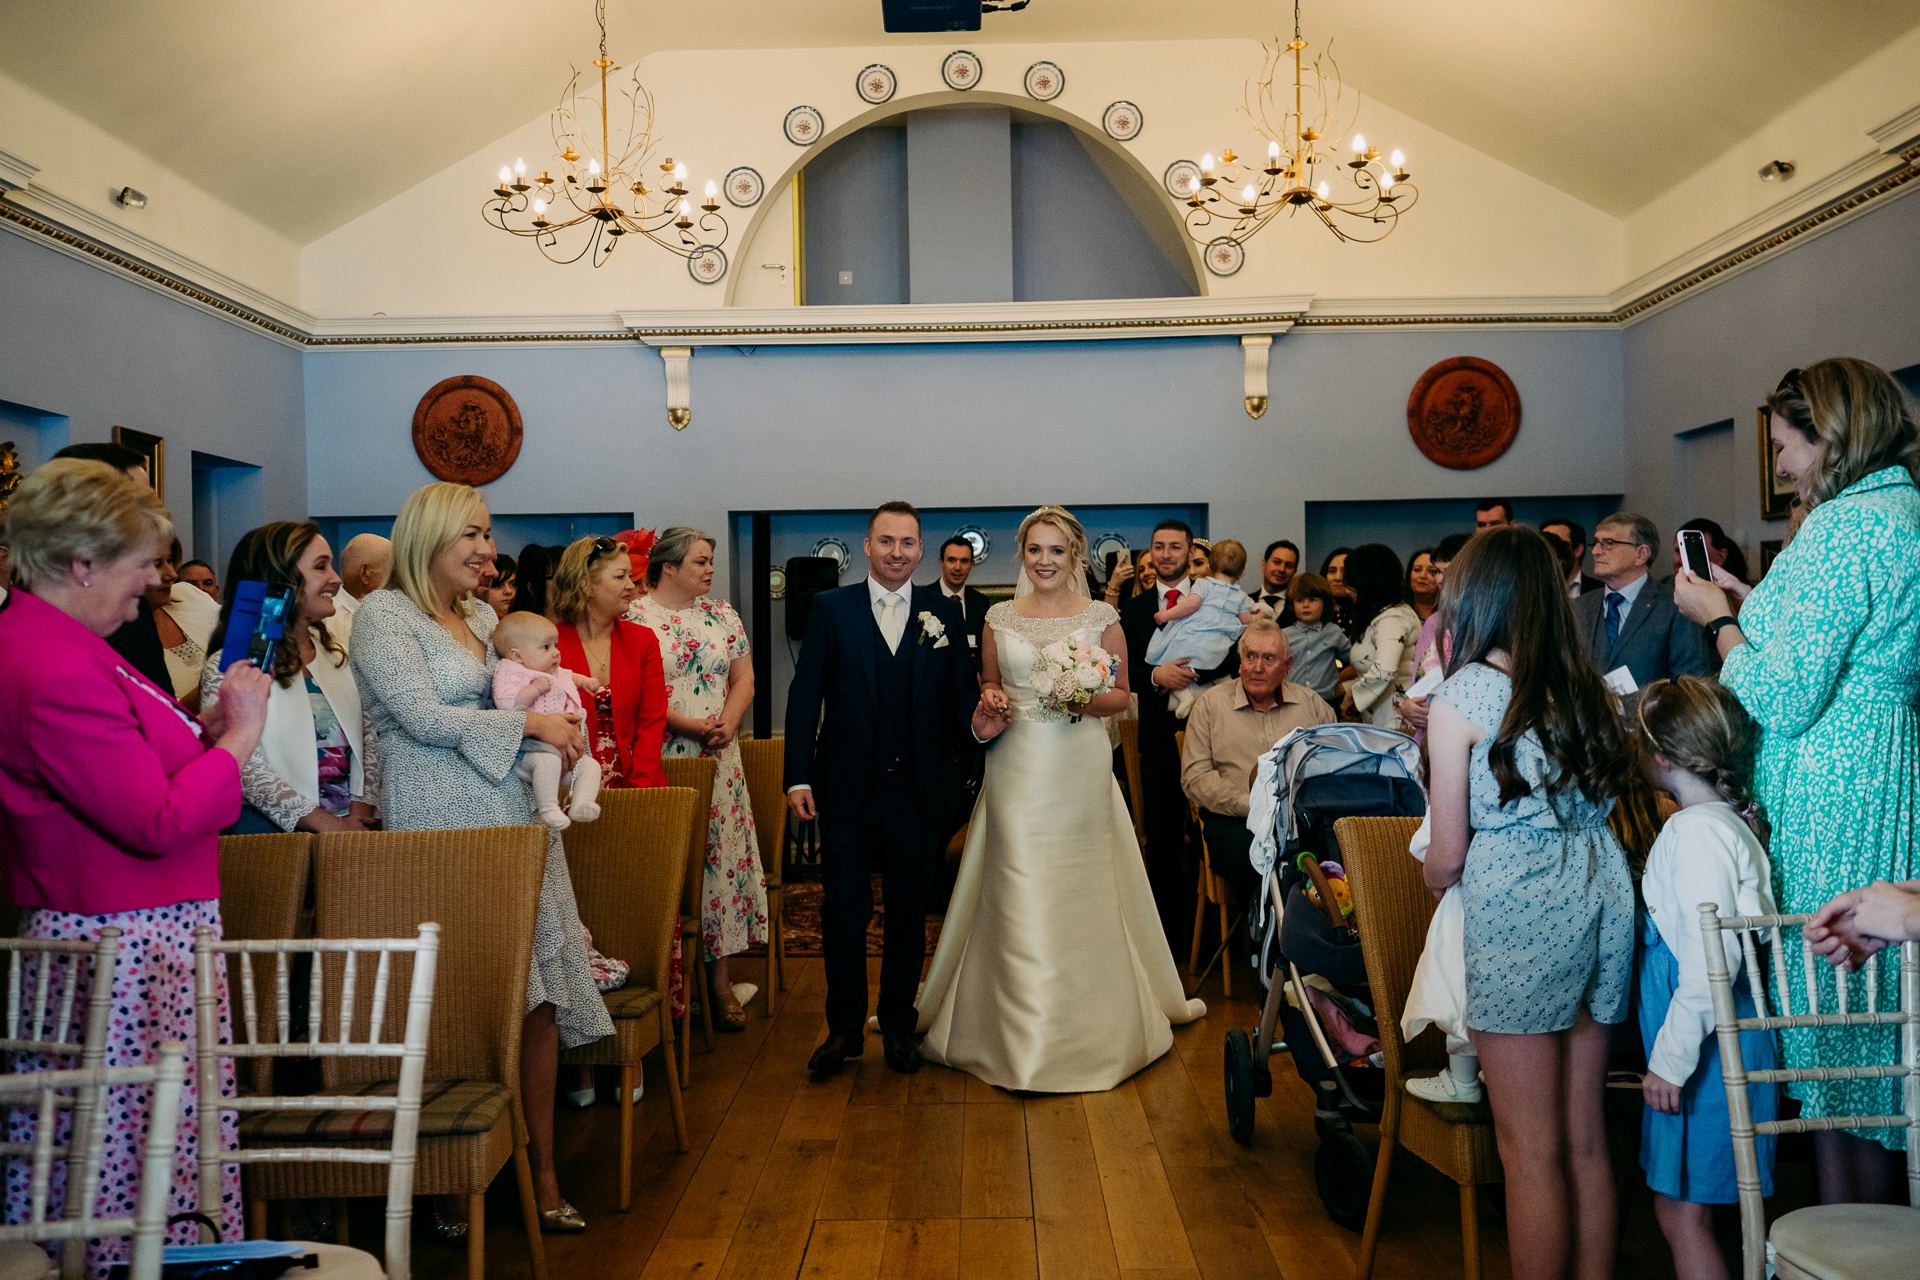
[
  {"x": 599, "y": 323},
  {"x": 15, "y": 174},
  {"x": 114, "y": 235},
  {"x": 967, "y": 322},
  {"x": 1895, "y": 134}
]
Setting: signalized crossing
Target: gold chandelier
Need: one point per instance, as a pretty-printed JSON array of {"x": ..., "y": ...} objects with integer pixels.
[
  {"x": 1358, "y": 199},
  {"x": 531, "y": 207}
]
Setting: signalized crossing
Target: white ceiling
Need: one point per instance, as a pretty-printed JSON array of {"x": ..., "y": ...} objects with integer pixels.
[{"x": 307, "y": 115}]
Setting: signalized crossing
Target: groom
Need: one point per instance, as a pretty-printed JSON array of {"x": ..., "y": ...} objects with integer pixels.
[{"x": 889, "y": 663}]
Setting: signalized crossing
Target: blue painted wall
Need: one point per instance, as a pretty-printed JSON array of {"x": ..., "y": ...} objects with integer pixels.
[
  {"x": 96, "y": 349},
  {"x": 856, "y": 219},
  {"x": 1074, "y": 236}
]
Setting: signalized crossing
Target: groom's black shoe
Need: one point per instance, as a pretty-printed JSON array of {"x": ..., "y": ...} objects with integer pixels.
[
  {"x": 833, "y": 1054},
  {"x": 902, "y": 1054}
]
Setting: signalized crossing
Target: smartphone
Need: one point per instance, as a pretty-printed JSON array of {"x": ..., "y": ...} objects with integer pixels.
[
  {"x": 1693, "y": 553},
  {"x": 257, "y": 625},
  {"x": 1113, "y": 562}
]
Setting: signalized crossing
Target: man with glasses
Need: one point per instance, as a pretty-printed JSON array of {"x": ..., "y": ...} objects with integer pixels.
[{"x": 1630, "y": 627}]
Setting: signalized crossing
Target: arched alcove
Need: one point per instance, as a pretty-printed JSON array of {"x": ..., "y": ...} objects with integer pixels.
[{"x": 1088, "y": 220}]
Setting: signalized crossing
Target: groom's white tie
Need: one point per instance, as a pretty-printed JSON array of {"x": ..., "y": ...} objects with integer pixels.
[{"x": 893, "y": 619}]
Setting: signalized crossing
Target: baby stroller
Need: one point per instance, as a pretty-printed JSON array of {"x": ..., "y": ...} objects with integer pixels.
[{"x": 1312, "y": 967}]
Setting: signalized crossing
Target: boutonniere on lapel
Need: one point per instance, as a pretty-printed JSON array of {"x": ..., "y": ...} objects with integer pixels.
[{"x": 932, "y": 630}]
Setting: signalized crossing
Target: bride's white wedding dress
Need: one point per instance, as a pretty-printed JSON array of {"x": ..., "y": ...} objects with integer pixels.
[{"x": 1053, "y": 973}]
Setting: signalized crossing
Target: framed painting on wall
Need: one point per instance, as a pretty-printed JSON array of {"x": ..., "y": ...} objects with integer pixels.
[
  {"x": 1776, "y": 492},
  {"x": 151, "y": 448}
]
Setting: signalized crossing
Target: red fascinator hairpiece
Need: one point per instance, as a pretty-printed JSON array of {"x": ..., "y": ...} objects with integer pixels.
[{"x": 639, "y": 545}]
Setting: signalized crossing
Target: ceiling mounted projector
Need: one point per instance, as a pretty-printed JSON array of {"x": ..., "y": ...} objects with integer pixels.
[{"x": 942, "y": 15}]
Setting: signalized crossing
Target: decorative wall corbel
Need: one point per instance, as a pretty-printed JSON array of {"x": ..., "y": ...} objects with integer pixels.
[
  {"x": 1256, "y": 347},
  {"x": 679, "y": 385}
]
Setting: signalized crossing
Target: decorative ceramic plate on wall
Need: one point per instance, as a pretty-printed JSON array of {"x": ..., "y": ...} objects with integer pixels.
[
  {"x": 977, "y": 539},
  {"x": 875, "y": 83},
  {"x": 804, "y": 126},
  {"x": 467, "y": 430},
  {"x": 1181, "y": 179},
  {"x": 835, "y": 550},
  {"x": 1108, "y": 544},
  {"x": 961, "y": 70},
  {"x": 1225, "y": 256},
  {"x": 1464, "y": 412},
  {"x": 1045, "y": 81},
  {"x": 777, "y": 583},
  {"x": 745, "y": 187},
  {"x": 707, "y": 264},
  {"x": 1122, "y": 121}
]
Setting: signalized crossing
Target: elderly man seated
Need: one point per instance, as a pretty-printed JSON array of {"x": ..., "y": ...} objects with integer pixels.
[{"x": 1233, "y": 724}]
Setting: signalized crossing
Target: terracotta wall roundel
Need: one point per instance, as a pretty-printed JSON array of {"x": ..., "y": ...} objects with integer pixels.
[
  {"x": 467, "y": 430},
  {"x": 1464, "y": 412}
]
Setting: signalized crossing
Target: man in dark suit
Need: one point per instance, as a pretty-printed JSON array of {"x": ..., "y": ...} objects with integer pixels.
[
  {"x": 1163, "y": 802},
  {"x": 1631, "y": 621},
  {"x": 881, "y": 658},
  {"x": 1277, "y": 568},
  {"x": 956, "y": 566},
  {"x": 1579, "y": 583}
]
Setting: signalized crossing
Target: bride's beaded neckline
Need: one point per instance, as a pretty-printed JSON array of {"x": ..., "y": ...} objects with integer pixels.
[{"x": 1041, "y": 632}]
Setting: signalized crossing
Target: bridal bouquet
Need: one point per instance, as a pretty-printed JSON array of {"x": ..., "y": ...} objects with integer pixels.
[{"x": 1068, "y": 674}]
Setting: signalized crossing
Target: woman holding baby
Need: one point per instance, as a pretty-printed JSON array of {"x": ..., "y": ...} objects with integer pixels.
[{"x": 424, "y": 662}]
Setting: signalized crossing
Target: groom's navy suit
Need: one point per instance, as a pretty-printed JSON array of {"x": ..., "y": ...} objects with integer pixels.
[{"x": 880, "y": 761}]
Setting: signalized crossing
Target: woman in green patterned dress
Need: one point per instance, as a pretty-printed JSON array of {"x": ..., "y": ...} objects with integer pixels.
[{"x": 1826, "y": 657}]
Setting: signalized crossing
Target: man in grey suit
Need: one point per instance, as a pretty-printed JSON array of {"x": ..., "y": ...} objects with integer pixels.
[{"x": 1631, "y": 622}]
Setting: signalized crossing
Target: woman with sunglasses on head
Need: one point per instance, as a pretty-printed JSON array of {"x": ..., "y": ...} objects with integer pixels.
[
  {"x": 627, "y": 716},
  {"x": 1826, "y": 657},
  {"x": 710, "y": 686}
]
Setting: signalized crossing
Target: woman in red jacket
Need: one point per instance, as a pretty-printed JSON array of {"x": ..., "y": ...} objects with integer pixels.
[{"x": 627, "y": 719}]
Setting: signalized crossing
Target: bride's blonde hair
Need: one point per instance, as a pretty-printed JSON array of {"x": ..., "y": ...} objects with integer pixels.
[{"x": 1063, "y": 520}]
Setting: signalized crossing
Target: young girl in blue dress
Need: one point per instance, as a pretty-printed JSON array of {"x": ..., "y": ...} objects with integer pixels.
[{"x": 1700, "y": 746}]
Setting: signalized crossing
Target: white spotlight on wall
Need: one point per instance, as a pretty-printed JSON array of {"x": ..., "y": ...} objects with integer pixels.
[{"x": 131, "y": 199}]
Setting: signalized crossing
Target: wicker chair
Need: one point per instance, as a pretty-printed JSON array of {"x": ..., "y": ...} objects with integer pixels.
[
  {"x": 764, "y": 760},
  {"x": 483, "y": 887},
  {"x": 695, "y": 772},
  {"x": 1829, "y": 1241},
  {"x": 264, "y": 884},
  {"x": 48, "y": 1028},
  {"x": 1130, "y": 754},
  {"x": 1393, "y": 905},
  {"x": 1211, "y": 891},
  {"x": 41, "y": 1092},
  {"x": 627, "y": 869},
  {"x": 384, "y": 1123}
]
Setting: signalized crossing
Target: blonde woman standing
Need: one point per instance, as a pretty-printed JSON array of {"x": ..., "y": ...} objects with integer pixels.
[{"x": 422, "y": 657}]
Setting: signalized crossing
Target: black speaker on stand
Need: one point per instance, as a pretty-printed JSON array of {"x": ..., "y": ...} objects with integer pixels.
[{"x": 807, "y": 577}]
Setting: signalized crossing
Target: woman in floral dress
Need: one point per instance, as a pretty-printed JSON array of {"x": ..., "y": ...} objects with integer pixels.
[
  {"x": 703, "y": 647},
  {"x": 1826, "y": 656}
]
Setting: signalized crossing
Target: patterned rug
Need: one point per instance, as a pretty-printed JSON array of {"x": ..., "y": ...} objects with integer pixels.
[{"x": 801, "y": 913}]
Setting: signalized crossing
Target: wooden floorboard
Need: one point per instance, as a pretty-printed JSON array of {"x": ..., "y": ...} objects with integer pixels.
[{"x": 938, "y": 1176}]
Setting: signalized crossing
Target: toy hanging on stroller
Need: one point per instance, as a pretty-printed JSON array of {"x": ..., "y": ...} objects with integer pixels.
[{"x": 1312, "y": 778}]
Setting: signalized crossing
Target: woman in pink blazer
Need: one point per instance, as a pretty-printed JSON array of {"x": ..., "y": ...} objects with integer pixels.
[{"x": 112, "y": 797}]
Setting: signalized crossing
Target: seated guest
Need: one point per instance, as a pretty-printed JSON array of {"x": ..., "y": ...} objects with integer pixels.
[
  {"x": 1492, "y": 513},
  {"x": 499, "y": 594},
  {"x": 1423, "y": 588},
  {"x": 318, "y": 765},
  {"x": 627, "y": 715},
  {"x": 710, "y": 686},
  {"x": 113, "y": 800},
  {"x": 198, "y": 573},
  {"x": 365, "y": 562},
  {"x": 956, "y": 566},
  {"x": 1234, "y": 723},
  {"x": 1277, "y": 568},
  {"x": 1575, "y": 536},
  {"x": 422, "y": 656},
  {"x": 1633, "y": 623},
  {"x": 1383, "y": 656},
  {"x": 1319, "y": 649}
]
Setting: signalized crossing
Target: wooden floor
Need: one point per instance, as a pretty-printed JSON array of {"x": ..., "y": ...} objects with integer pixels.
[{"x": 936, "y": 1175}]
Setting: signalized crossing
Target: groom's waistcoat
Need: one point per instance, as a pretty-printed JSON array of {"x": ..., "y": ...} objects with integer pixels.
[{"x": 893, "y": 696}]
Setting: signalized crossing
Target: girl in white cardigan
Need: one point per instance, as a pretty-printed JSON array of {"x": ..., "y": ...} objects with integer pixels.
[{"x": 1700, "y": 747}]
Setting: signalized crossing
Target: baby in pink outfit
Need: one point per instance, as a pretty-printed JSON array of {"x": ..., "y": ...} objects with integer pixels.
[{"x": 529, "y": 677}]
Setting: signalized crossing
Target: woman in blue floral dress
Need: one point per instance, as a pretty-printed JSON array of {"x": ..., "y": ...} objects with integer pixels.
[
  {"x": 709, "y": 670},
  {"x": 1826, "y": 656}
]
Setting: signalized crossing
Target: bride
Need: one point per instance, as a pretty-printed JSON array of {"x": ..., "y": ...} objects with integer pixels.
[{"x": 1052, "y": 973}]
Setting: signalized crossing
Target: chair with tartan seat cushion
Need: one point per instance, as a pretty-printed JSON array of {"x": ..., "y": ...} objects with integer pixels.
[{"x": 627, "y": 869}]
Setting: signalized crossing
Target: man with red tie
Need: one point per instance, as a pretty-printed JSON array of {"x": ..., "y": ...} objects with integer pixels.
[{"x": 1163, "y": 803}]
